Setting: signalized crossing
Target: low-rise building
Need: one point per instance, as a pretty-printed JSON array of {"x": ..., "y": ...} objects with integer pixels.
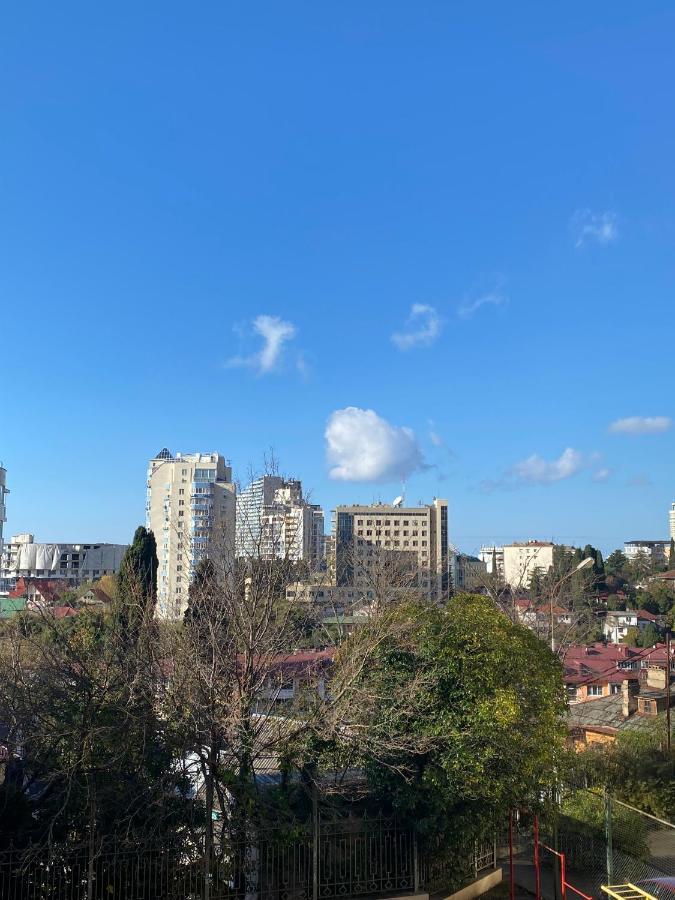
[
  {"x": 522, "y": 560},
  {"x": 656, "y": 553},
  {"x": 23, "y": 557},
  {"x": 618, "y": 622},
  {"x": 493, "y": 557},
  {"x": 469, "y": 573}
]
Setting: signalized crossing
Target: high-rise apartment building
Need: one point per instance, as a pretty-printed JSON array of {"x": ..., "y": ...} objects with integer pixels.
[
  {"x": 3, "y": 508},
  {"x": 671, "y": 521},
  {"x": 191, "y": 511},
  {"x": 274, "y": 521},
  {"x": 407, "y": 546}
]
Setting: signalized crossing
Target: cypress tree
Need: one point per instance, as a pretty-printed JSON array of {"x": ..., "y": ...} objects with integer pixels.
[{"x": 136, "y": 585}]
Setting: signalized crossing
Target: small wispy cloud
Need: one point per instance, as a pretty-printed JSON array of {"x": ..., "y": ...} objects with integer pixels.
[
  {"x": 535, "y": 470},
  {"x": 639, "y": 481},
  {"x": 602, "y": 475},
  {"x": 641, "y": 425},
  {"x": 423, "y": 327},
  {"x": 469, "y": 307},
  {"x": 275, "y": 333},
  {"x": 434, "y": 436},
  {"x": 599, "y": 228}
]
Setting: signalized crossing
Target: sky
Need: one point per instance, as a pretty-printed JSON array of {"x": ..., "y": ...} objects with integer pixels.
[{"x": 405, "y": 247}]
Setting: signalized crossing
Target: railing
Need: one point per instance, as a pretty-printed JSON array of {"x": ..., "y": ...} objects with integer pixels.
[{"x": 340, "y": 858}]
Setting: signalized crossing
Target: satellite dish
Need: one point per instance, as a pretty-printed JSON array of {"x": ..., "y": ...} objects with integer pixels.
[{"x": 397, "y": 502}]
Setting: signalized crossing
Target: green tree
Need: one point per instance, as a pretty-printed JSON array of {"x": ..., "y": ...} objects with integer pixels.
[
  {"x": 136, "y": 586},
  {"x": 632, "y": 637},
  {"x": 649, "y": 635},
  {"x": 461, "y": 712},
  {"x": 616, "y": 563}
]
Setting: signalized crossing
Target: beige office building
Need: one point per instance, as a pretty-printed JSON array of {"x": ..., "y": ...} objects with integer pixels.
[
  {"x": 409, "y": 543},
  {"x": 522, "y": 560},
  {"x": 191, "y": 511}
]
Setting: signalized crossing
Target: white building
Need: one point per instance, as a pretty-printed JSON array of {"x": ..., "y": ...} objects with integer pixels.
[
  {"x": 191, "y": 511},
  {"x": 671, "y": 521},
  {"x": 408, "y": 545},
  {"x": 493, "y": 557},
  {"x": 522, "y": 560},
  {"x": 274, "y": 521},
  {"x": 655, "y": 552},
  {"x": 3, "y": 507},
  {"x": 617, "y": 622},
  {"x": 23, "y": 557}
]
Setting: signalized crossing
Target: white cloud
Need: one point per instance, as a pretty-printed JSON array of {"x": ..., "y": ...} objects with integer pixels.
[
  {"x": 362, "y": 446},
  {"x": 603, "y": 228},
  {"x": 536, "y": 470},
  {"x": 424, "y": 326},
  {"x": 602, "y": 475},
  {"x": 275, "y": 332},
  {"x": 469, "y": 307},
  {"x": 641, "y": 425}
]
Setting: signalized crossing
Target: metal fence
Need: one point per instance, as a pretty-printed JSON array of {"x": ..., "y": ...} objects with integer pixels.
[
  {"x": 341, "y": 858},
  {"x": 593, "y": 840}
]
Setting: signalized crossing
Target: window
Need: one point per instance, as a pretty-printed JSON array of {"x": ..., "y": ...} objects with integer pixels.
[
  {"x": 181, "y": 502},
  {"x": 181, "y": 490},
  {"x": 615, "y": 689},
  {"x": 594, "y": 690},
  {"x": 181, "y": 512}
]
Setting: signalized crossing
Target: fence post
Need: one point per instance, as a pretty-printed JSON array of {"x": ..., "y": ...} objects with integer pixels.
[
  {"x": 416, "y": 864},
  {"x": 563, "y": 877},
  {"x": 316, "y": 830},
  {"x": 608, "y": 838},
  {"x": 537, "y": 867},
  {"x": 512, "y": 885}
]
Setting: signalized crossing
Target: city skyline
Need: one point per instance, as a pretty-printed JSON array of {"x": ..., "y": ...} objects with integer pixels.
[{"x": 370, "y": 242}]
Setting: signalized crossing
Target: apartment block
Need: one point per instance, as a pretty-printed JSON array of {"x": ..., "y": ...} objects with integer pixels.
[
  {"x": 522, "y": 560},
  {"x": 23, "y": 557},
  {"x": 191, "y": 511},
  {"x": 407, "y": 546},
  {"x": 275, "y": 521},
  {"x": 493, "y": 557},
  {"x": 657, "y": 553}
]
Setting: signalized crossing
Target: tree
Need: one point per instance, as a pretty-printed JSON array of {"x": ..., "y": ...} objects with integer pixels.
[
  {"x": 616, "y": 563},
  {"x": 136, "y": 586},
  {"x": 649, "y": 635},
  {"x": 458, "y": 709},
  {"x": 632, "y": 637}
]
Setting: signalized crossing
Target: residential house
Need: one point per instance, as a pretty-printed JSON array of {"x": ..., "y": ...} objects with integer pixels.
[{"x": 618, "y": 622}]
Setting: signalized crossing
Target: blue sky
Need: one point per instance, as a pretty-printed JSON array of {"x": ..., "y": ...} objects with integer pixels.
[{"x": 222, "y": 226}]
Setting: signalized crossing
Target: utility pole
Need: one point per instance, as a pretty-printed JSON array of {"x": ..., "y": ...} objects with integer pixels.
[{"x": 668, "y": 668}]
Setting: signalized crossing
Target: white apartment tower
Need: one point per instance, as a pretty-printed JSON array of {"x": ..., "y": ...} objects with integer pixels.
[
  {"x": 274, "y": 521},
  {"x": 408, "y": 541},
  {"x": 671, "y": 521},
  {"x": 191, "y": 511},
  {"x": 3, "y": 494}
]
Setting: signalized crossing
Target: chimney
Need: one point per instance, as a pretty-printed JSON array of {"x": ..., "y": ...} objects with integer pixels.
[
  {"x": 629, "y": 701},
  {"x": 656, "y": 678}
]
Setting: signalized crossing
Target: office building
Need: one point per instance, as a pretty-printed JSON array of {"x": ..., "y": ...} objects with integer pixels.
[
  {"x": 404, "y": 546},
  {"x": 469, "y": 573},
  {"x": 655, "y": 553},
  {"x": 191, "y": 511}
]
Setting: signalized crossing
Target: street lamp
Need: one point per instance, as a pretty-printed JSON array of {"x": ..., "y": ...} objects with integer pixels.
[{"x": 584, "y": 564}]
